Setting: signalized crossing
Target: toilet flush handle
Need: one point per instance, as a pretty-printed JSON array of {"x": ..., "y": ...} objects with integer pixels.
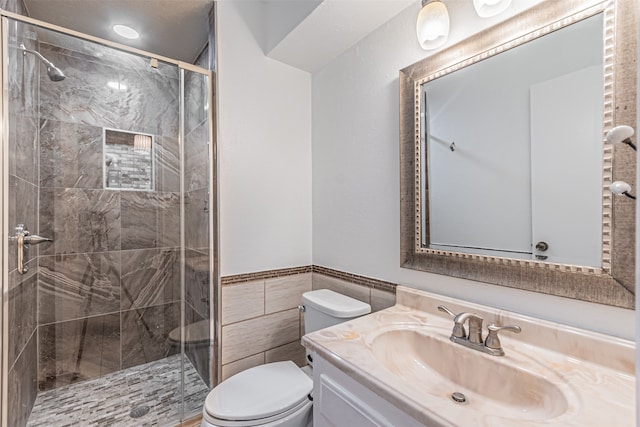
[{"x": 302, "y": 308}]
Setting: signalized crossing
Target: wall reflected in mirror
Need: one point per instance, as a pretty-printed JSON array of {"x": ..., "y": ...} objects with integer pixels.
[
  {"x": 128, "y": 160},
  {"x": 512, "y": 151}
]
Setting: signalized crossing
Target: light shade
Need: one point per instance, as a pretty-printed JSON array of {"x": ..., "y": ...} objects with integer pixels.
[
  {"x": 432, "y": 27},
  {"x": 619, "y": 134},
  {"x": 125, "y": 31},
  {"x": 619, "y": 187},
  {"x": 142, "y": 143},
  {"x": 489, "y": 8}
]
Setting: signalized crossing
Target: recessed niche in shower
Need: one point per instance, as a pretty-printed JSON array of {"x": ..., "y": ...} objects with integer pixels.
[{"x": 128, "y": 160}]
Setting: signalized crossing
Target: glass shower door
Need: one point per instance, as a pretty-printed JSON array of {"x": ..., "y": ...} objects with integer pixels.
[{"x": 104, "y": 163}]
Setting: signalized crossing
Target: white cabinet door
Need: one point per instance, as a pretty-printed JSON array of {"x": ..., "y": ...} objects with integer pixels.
[{"x": 340, "y": 401}]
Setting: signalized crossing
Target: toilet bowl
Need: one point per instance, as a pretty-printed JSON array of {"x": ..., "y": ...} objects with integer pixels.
[
  {"x": 275, "y": 394},
  {"x": 278, "y": 394}
]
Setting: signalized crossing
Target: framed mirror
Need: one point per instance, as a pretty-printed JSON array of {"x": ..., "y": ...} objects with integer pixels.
[
  {"x": 504, "y": 173},
  {"x": 128, "y": 160}
]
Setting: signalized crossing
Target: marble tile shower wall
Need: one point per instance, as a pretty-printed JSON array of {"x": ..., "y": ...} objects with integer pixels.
[
  {"x": 23, "y": 205},
  {"x": 196, "y": 211},
  {"x": 109, "y": 284}
]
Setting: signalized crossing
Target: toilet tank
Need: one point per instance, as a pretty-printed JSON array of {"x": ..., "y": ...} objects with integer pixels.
[{"x": 324, "y": 308}]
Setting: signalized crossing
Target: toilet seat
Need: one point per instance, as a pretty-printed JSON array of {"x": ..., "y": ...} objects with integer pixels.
[{"x": 259, "y": 395}]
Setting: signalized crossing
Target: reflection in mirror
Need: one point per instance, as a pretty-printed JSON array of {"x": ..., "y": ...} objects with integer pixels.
[
  {"x": 512, "y": 147},
  {"x": 128, "y": 160},
  {"x": 505, "y": 178}
]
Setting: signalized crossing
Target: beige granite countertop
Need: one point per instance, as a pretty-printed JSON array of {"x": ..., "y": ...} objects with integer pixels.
[{"x": 581, "y": 378}]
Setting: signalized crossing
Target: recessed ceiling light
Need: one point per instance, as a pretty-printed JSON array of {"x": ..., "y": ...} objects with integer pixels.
[{"x": 125, "y": 31}]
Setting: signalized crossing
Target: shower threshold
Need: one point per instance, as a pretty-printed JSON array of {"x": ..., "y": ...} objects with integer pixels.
[{"x": 109, "y": 400}]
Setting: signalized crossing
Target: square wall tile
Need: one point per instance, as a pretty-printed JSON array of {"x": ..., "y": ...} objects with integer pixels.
[
  {"x": 150, "y": 220},
  {"x": 253, "y": 336},
  {"x": 150, "y": 277},
  {"x": 79, "y": 220},
  {"x": 70, "y": 155},
  {"x": 283, "y": 293},
  {"x": 78, "y": 285},
  {"x": 145, "y": 333},
  {"x": 242, "y": 301}
]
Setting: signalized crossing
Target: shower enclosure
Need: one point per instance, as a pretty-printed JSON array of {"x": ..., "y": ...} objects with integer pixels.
[{"x": 107, "y": 154}]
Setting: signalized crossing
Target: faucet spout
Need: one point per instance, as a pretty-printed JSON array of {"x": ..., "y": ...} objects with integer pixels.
[{"x": 475, "y": 326}]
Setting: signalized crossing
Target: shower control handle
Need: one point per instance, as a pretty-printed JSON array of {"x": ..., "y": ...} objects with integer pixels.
[{"x": 24, "y": 239}]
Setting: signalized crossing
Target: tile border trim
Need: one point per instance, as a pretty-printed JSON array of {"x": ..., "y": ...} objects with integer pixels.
[
  {"x": 263, "y": 275},
  {"x": 357, "y": 279}
]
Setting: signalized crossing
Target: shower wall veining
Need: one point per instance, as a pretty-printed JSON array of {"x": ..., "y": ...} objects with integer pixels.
[
  {"x": 109, "y": 284},
  {"x": 23, "y": 205}
]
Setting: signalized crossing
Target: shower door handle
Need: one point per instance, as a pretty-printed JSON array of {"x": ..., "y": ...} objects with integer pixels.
[
  {"x": 35, "y": 239},
  {"x": 24, "y": 239}
]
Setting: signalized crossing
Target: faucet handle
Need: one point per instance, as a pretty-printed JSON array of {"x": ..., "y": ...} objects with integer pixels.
[
  {"x": 446, "y": 310},
  {"x": 458, "y": 327},
  {"x": 493, "y": 342}
]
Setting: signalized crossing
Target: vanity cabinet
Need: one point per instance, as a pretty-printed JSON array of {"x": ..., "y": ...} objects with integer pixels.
[{"x": 341, "y": 401}]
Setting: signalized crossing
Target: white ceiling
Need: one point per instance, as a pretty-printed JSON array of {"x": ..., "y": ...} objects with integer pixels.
[
  {"x": 332, "y": 27},
  {"x": 176, "y": 29},
  {"x": 306, "y": 34}
]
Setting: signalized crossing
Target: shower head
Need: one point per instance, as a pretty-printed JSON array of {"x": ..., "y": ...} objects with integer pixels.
[{"x": 55, "y": 74}]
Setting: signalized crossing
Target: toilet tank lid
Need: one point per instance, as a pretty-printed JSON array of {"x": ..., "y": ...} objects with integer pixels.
[{"x": 335, "y": 304}]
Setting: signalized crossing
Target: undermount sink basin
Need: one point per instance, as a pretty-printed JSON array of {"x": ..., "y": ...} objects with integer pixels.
[{"x": 496, "y": 386}]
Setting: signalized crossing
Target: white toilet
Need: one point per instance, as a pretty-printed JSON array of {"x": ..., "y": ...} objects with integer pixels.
[{"x": 278, "y": 394}]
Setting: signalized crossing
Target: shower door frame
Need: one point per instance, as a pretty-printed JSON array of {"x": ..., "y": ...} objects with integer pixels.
[{"x": 214, "y": 276}]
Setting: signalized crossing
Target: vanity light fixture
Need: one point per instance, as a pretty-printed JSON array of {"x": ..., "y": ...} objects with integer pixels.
[
  {"x": 125, "y": 31},
  {"x": 432, "y": 26},
  {"x": 489, "y": 8},
  {"x": 623, "y": 134},
  {"x": 621, "y": 188}
]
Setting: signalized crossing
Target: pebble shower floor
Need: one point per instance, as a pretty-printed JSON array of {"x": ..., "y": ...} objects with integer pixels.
[{"x": 108, "y": 401}]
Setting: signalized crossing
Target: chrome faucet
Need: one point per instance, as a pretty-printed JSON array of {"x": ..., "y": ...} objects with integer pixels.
[{"x": 491, "y": 345}]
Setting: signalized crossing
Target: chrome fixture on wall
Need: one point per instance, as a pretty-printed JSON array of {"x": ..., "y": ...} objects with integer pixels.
[
  {"x": 24, "y": 239},
  {"x": 55, "y": 74}
]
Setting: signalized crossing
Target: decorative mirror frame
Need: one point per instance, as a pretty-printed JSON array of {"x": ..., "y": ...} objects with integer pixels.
[{"x": 614, "y": 282}]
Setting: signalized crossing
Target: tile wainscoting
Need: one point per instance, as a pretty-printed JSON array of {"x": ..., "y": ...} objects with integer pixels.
[{"x": 261, "y": 322}]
